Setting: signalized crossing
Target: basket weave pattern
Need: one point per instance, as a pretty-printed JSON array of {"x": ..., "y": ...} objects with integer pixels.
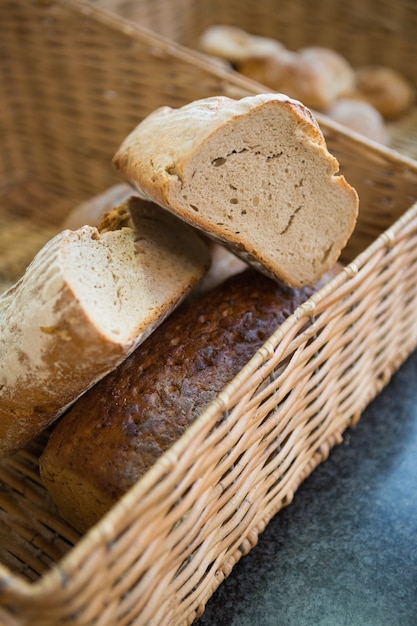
[{"x": 160, "y": 553}]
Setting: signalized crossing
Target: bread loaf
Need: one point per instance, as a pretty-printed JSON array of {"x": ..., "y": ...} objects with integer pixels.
[
  {"x": 118, "y": 429},
  {"x": 85, "y": 302},
  {"x": 222, "y": 265},
  {"x": 254, "y": 174},
  {"x": 234, "y": 44},
  {"x": 318, "y": 76}
]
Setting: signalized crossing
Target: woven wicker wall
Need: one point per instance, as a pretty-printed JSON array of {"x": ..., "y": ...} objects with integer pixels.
[{"x": 371, "y": 31}]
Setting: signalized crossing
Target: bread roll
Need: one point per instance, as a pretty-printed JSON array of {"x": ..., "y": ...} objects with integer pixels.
[
  {"x": 386, "y": 89},
  {"x": 361, "y": 117},
  {"x": 91, "y": 211},
  {"x": 234, "y": 44},
  {"x": 85, "y": 302},
  {"x": 315, "y": 75},
  {"x": 119, "y": 428},
  {"x": 254, "y": 174},
  {"x": 318, "y": 77},
  {"x": 260, "y": 58},
  {"x": 272, "y": 69}
]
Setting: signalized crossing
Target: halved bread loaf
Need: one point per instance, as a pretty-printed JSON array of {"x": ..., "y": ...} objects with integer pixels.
[
  {"x": 87, "y": 300},
  {"x": 253, "y": 173}
]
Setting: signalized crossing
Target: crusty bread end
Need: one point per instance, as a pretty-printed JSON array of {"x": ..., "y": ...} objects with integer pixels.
[
  {"x": 254, "y": 174},
  {"x": 86, "y": 301}
]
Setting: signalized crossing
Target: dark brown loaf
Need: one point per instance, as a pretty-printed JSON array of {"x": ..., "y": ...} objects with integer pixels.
[{"x": 118, "y": 429}]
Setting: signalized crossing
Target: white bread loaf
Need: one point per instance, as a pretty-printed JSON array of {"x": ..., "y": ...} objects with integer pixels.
[
  {"x": 254, "y": 174},
  {"x": 86, "y": 301}
]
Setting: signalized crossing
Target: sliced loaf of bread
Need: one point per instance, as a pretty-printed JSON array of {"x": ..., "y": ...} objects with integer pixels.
[
  {"x": 86, "y": 301},
  {"x": 253, "y": 173}
]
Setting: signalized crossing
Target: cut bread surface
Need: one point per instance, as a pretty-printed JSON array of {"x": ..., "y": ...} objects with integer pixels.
[{"x": 126, "y": 278}]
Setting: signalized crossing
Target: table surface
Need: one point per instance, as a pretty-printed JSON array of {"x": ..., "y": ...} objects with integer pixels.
[{"x": 344, "y": 553}]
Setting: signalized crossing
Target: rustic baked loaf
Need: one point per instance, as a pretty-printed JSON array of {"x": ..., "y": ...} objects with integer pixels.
[
  {"x": 119, "y": 428},
  {"x": 85, "y": 302},
  {"x": 254, "y": 174}
]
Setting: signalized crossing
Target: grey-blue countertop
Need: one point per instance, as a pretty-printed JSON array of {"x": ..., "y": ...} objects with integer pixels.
[{"x": 344, "y": 553}]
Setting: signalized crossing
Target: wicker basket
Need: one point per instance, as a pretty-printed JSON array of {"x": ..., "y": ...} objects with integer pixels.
[{"x": 75, "y": 80}]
